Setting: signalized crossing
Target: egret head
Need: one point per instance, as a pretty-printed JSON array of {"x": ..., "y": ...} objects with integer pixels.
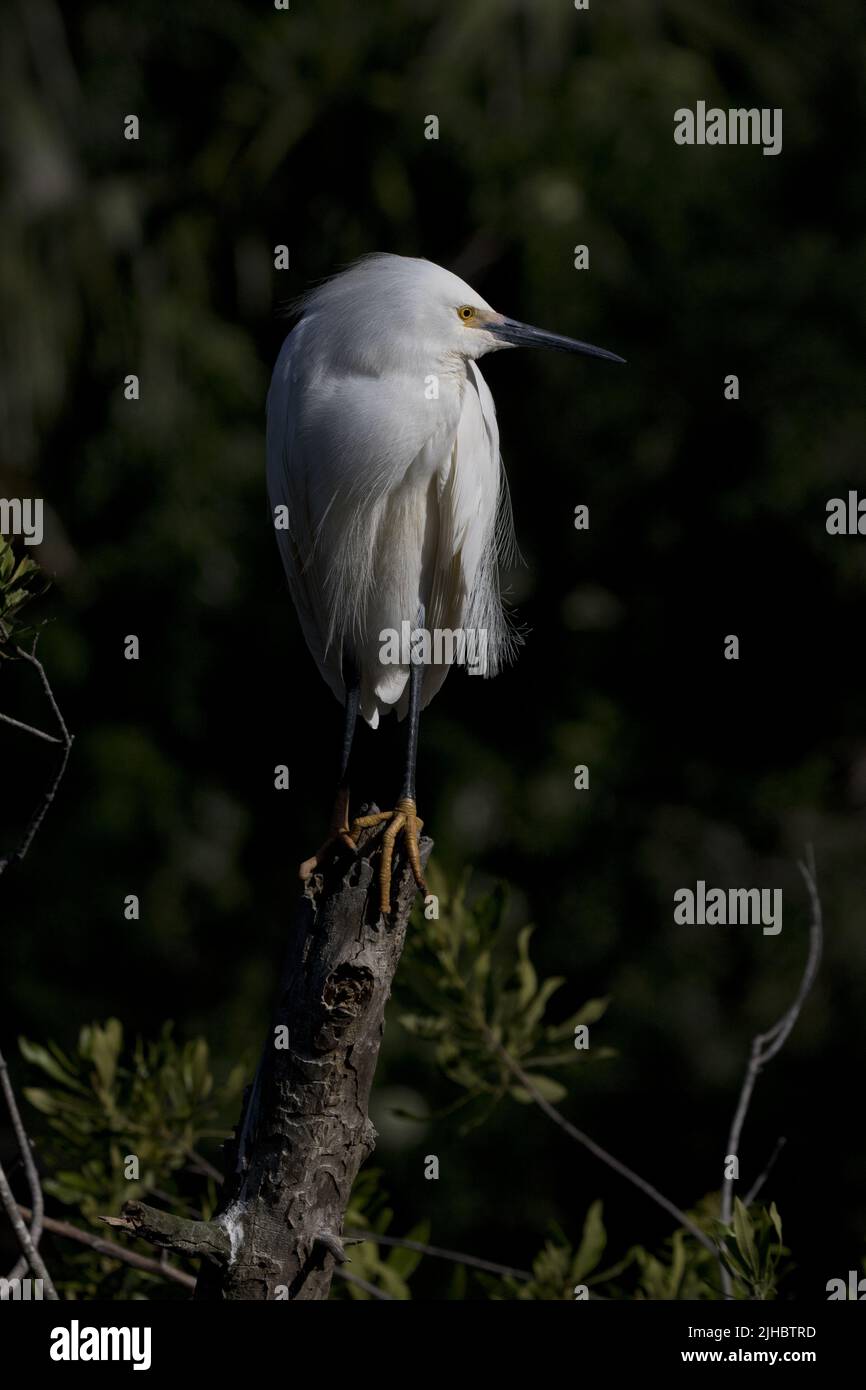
[
  {"x": 390, "y": 308},
  {"x": 484, "y": 330},
  {"x": 496, "y": 331}
]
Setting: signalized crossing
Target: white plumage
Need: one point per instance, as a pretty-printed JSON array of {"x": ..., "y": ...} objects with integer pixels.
[
  {"x": 382, "y": 444},
  {"x": 390, "y": 501}
]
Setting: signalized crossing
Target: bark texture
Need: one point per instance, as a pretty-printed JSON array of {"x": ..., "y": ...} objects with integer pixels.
[{"x": 305, "y": 1130}]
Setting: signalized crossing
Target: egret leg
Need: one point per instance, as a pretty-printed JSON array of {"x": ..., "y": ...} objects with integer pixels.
[
  {"x": 404, "y": 816},
  {"x": 339, "y": 827}
]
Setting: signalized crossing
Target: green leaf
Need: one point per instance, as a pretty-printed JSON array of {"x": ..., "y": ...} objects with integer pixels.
[
  {"x": 592, "y": 1244},
  {"x": 525, "y": 971},
  {"x": 423, "y": 1026},
  {"x": 551, "y": 1090},
  {"x": 24, "y": 567},
  {"x": 404, "y": 1261},
  {"x": 745, "y": 1238},
  {"x": 392, "y": 1283},
  {"x": 43, "y": 1059},
  {"x": 105, "y": 1045},
  {"x": 43, "y": 1101},
  {"x": 590, "y": 1012},
  {"x": 678, "y": 1264},
  {"x": 481, "y": 966},
  {"x": 535, "y": 1009}
]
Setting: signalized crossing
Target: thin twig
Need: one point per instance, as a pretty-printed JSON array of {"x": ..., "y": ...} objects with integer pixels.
[
  {"x": 28, "y": 728},
  {"x": 65, "y": 740},
  {"x": 455, "y": 1256},
  {"x": 624, "y": 1171},
  {"x": 116, "y": 1252},
  {"x": 34, "y": 1259},
  {"x": 363, "y": 1284},
  {"x": 26, "y": 1151},
  {"x": 753, "y": 1191},
  {"x": 203, "y": 1166},
  {"x": 46, "y": 686},
  {"x": 765, "y": 1046}
]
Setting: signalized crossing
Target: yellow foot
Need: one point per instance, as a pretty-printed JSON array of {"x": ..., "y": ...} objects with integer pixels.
[
  {"x": 342, "y": 836},
  {"x": 339, "y": 833},
  {"x": 404, "y": 817}
]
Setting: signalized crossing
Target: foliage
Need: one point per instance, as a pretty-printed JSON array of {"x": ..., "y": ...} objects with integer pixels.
[
  {"x": 753, "y": 1250},
  {"x": 159, "y": 1101},
  {"x": 485, "y": 999},
  {"x": 558, "y": 1268},
  {"x": 482, "y": 994},
  {"x": 368, "y": 1210},
  {"x": 683, "y": 1270},
  {"x": 20, "y": 581}
]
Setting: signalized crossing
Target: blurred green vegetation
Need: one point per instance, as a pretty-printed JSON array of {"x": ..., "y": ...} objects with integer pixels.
[
  {"x": 306, "y": 128},
  {"x": 126, "y": 1124}
]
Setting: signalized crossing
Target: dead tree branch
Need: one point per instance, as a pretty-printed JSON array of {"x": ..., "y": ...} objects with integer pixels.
[
  {"x": 26, "y": 1152},
  {"x": 304, "y": 1130},
  {"x": 65, "y": 741},
  {"x": 34, "y": 1259},
  {"x": 206, "y": 1240},
  {"x": 112, "y": 1251},
  {"x": 29, "y": 1239},
  {"x": 765, "y": 1046}
]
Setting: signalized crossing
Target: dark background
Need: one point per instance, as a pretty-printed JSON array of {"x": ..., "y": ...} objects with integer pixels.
[{"x": 261, "y": 127}]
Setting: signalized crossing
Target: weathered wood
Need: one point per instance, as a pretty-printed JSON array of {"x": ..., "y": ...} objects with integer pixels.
[
  {"x": 207, "y": 1240},
  {"x": 305, "y": 1129}
]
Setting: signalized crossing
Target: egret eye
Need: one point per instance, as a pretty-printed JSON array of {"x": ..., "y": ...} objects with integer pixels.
[{"x": 466, "y": 312}]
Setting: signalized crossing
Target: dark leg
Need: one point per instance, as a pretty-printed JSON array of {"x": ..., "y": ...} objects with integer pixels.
[
  {"x": 340, "y": 818},
  {"x": 353, "y": 701},
  {"x": 339, "y": 828},
  {"x": 416, "y": 680},
  {"x": 404, "y": 816}
]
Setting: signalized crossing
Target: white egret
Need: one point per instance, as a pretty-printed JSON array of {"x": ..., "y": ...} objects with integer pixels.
[{"x": 389, "y": 498}]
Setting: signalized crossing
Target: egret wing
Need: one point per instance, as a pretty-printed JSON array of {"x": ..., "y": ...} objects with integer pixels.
[
  {"x": 475, "y": 537},
  {"x": 351, "y": 458}
]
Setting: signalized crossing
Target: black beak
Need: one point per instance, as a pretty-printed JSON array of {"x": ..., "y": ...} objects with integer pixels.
[{"x": 522, "y": 335}]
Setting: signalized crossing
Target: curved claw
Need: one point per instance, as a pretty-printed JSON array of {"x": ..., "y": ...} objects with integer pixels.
[
  {"x": 387, "y": 856},
  {"x": 309, "y": 866},
  {"x": 339, "y": 831},
  {"x": 404, "y": 817}
]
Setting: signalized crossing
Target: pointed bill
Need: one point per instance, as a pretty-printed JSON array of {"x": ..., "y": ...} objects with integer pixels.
[{"x": 524, "y": 335}]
